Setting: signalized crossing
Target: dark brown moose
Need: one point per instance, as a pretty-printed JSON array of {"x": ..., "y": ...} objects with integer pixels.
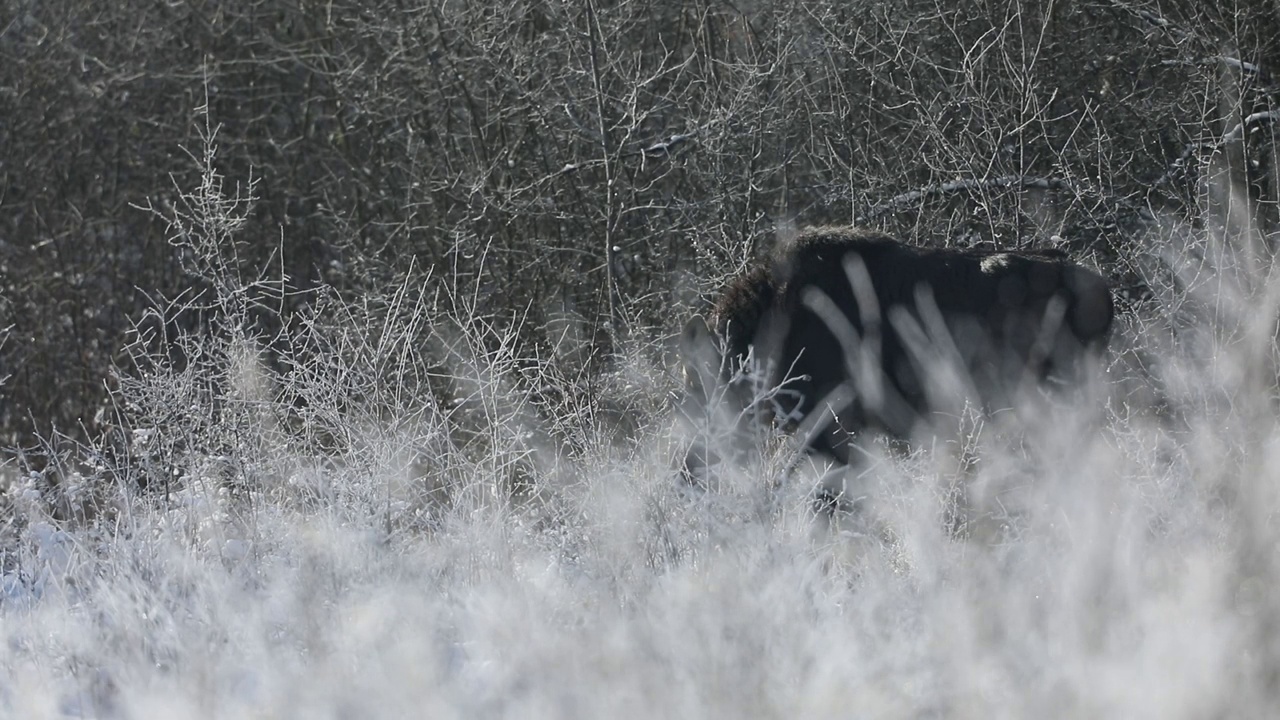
[{"x": 844, "y": 331}]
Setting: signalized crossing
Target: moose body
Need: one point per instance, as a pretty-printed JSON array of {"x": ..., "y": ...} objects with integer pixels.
[{"x": 849, "y": 330}]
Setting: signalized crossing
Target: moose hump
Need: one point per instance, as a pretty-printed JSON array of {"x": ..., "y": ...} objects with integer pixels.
[{"x": 859, "y": 328}]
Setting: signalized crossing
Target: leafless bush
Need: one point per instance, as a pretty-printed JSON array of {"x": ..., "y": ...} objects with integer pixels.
[{"x": 594, "y": 165}]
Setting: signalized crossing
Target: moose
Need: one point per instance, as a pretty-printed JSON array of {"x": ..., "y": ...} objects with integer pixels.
[{"x": 845, "y": 331}]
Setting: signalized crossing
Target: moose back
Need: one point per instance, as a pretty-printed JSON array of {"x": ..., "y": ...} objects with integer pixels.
[{"x": 846, "y": 330}]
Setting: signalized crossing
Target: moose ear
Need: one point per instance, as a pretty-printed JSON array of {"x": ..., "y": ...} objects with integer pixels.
[
  {"x": 695, "y": 331},
  {"x": 698, "y": 354},
  {"x": 1093, "y": 312}
]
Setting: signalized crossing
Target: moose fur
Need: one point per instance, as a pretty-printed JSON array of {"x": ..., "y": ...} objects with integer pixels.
[{"x": 845, "y": 330}]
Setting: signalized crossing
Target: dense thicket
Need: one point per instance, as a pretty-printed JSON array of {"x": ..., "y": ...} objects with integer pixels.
[{"x": 582, "y": 159}]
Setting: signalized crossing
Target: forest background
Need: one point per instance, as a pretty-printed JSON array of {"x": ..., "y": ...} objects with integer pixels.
[{"x": 595, "y": 167}]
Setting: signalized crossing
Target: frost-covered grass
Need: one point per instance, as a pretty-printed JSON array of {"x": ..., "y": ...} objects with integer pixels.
[
  {"x": 1116, "y": 572},
  {"x": 346, "y": 536}
]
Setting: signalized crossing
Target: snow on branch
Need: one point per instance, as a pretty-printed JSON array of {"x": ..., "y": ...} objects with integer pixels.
[
  {"x": 1235, "y": 134},
  {"x": 1246, "y": 68},
  {"x": 1251, "y": 120},
  {"x": 907, "y": 199},
  {"x": 660, "y": 149}
]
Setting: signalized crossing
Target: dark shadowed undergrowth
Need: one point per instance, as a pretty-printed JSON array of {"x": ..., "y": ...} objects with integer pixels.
[{"x": 385, "y": 511}]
